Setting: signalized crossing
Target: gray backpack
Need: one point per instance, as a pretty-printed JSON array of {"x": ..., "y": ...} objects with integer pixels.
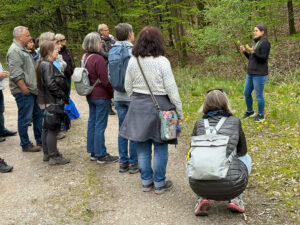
[
  {"x": 207, "y": 158},
  {"x": 81, "y": 79}
]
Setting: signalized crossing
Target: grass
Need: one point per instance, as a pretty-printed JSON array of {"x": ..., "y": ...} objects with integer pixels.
[{"x": 273, "y": 145}]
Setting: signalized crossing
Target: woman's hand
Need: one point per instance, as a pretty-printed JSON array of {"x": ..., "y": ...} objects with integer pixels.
[
  {"x": 251, "y": 50},
  {"x": 242, "y": 47}
]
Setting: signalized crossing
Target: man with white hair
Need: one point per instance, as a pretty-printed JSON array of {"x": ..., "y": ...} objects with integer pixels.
[{"x": 23, "y": 87}]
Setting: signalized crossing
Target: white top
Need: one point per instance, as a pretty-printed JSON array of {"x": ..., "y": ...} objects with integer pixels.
[{"x": 159, "y": 75}]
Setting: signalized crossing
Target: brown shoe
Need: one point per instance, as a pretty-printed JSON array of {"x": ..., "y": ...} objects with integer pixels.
[
  {"x": 32, "y": 148},
  {"x": 60, "y": 135}
]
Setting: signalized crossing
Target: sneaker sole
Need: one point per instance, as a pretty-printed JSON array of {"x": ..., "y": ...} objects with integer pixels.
[
  {"x": 133, "y": 171},
  {"x": 159, "y": 192},
  {"x": 123, "y": 171},
  {"x": 93, "y": 159},
  {"x": 103, "y": 162},
  {"x": 259, "y": 121},
  {"x": 254, "y": 114},
  {"x": 203, "y": 211},
  {"x": 7, "y": 171},
  {"x": 234, "y": 208}
]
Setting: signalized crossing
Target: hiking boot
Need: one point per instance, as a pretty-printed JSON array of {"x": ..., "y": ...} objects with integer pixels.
[
  {"x": 60, "y": 135},
  {"x": 9, "y": 133},
  {"x": 46, "y": 157},
  {"x": 133, "y": 169},
  {"x": 2, "y": 139},
  {"x": 259, "y": 118},
  {"x": 93, "y": 157},
  {"x": 32, "y": 148},
  {"x": 124, "y": 167},
  {"x": 248, "y": 114},
  {"x": 202, "y": 206},
  {"x": 166, "y": 187},
  {"x": 236, "y": 205},
  {"x": 58, "y": 160},
  {"x": 4, "y": 168},
  {"x": 107, "y": 159},
  {"x": 147, "y": 188}
]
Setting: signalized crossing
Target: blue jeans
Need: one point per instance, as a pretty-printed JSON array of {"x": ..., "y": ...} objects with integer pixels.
[
  {"x": 97, "y": 124},
  {"x": 29, "y": 111},
  {"x": 122, "y": 108},
  {"x": 256, "y": 82},
  {"x": 144, "y": 152}
]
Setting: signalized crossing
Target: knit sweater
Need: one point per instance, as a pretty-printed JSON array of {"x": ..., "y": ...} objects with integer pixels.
[{"x": 159, "y": 76}]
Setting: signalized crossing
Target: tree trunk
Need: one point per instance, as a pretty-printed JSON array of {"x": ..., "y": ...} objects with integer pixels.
[{"x": 291, "y": 17}]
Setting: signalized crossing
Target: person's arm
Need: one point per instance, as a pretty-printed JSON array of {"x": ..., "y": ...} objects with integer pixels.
[
  {"x": 171, "y": 86},
  {"x": 16, "y": 73},
  {"x": 128, "y": 78},
  {"x": 103, "y": 75},
  {"x": 264, "y": 52},
  {"x": 244, "y": 51},
  {"x": 242, "y": 144}
]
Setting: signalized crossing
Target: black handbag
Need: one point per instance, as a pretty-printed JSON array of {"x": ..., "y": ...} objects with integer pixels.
[{"x": 53, "y": 116}]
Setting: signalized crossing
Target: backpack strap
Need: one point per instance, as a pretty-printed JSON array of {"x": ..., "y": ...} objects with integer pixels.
[
  {"x": 232, "y": 155},
  {"x": 214, "y": 129},
  {"x": 83, "y": 64}
]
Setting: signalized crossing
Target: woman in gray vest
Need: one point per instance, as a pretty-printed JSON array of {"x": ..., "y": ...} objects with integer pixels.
[{"x": 215, "y": 107}]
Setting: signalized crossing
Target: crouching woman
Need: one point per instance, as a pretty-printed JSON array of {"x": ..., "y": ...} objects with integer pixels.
[
  {"x": 53, "y": 94},
  {"x": 216, "y": 107}
]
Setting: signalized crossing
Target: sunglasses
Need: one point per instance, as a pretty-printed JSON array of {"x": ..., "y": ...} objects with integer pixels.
[
  {"x": 216, "y": 89},
  {"x": 62, "y": 40}
]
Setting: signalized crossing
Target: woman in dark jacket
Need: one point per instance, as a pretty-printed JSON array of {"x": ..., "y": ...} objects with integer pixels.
[
  {"x": 98, "y": 100},
  {"x": 53, "y": 92},
  {"x": 216, "y": 106},
  {"x": 258, "y": 72}
]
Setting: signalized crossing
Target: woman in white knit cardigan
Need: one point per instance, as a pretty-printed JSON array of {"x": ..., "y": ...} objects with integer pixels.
[{"x": 142, "y": 121}]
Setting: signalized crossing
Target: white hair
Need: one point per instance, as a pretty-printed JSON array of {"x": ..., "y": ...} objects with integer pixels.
[
  {"x": 91, "y": 42},
  {"x": 46, "y": 36},
  {"x": 19, "y": 30}
]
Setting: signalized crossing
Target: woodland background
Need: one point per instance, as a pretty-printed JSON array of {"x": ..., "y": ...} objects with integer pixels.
[{"x": 197, "y": 32}]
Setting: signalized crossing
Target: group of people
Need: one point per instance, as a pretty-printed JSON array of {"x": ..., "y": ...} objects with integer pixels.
[{"x": 44, "y": 90}]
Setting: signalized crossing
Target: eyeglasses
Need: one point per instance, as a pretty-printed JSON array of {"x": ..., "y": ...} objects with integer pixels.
[
  {"x": 216, "y": 89},
  {"x": 62, "y": 40}
]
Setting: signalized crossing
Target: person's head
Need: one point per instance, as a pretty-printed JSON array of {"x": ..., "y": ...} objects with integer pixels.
[
  {"x": 36, "y": 43},
  {"x": 21, "y": 35},
  {"x": 149, "y": 43},
  {"x": 48, "y": 50},
  {"x": 215, "y": 99},
  {"x": 92, "y": 42},
  {"x": 124, "y": 32},
  {"x": 260, "y": 30},
  {"x": 30, "y": 44},
  {"x": 103, "y": 30},
  {"x": 61, "y": 39},
  {"x": 46, "y": 36}
]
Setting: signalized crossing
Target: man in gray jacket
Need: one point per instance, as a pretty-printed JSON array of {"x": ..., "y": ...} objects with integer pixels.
[{"x": 23, "y": 87}]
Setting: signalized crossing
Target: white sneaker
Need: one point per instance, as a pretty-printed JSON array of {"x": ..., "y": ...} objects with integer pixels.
[{"x": 236, "y": 205}]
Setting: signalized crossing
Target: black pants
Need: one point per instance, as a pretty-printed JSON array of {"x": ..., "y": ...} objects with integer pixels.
[{"x": 49, "y": 141}]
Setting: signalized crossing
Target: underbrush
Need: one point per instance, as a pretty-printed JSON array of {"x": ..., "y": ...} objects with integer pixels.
[{"x": 273, "y": 145}]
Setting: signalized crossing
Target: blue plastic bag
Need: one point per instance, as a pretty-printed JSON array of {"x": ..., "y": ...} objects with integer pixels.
[{"x": 71, "y": 110}]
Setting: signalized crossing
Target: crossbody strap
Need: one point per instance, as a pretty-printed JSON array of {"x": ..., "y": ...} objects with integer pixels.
[{"x": 153, "y": 97}]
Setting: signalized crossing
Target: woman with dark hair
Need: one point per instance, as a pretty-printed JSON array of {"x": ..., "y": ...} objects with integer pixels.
[
  {"x": 258, "y": 56},
  {"x": 216, "y": 107},
  {"x": 141, "y": 123},
  {"x": 53, "y": 93}
]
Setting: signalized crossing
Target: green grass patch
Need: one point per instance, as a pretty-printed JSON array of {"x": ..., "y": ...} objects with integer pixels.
[{"x": 273, "y": 145}]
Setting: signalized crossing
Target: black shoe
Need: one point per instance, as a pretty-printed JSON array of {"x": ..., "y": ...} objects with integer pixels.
[
  {"x": 9, "y": 133},
  {"x": 4, "y": 168},
  {"x": 46, "y": 158},
  {"x": 93, "y": 157},
  {"x": 133, "y": 169},
  {"x": 166, "y": 187},
  {"x": 2, "y": 139},
  {"x": 124, "y": 167},
  {"x": 107, "y": 159},
  {"x": 58, "y": 160},
  {"x": 248, "y": 114},
  {"x": 112, "y": 112},
  {"x": 259, "y": 118}
]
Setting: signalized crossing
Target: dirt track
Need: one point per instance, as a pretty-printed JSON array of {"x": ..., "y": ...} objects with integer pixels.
[{"x": 84, "y": 192}]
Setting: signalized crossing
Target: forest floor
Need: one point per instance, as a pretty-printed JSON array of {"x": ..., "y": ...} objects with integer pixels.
[{"x": 84, "y": 192}]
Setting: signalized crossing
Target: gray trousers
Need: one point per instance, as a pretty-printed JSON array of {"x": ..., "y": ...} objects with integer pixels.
[{"x": 49, "y": 141}]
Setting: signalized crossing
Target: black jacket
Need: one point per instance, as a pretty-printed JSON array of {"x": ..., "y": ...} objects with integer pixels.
[
  {"x": 108, "y": 43},
  {"x": 237, "y": 176},
  {"x": 52, "y": 84},
  {"x": 258, "y": 61},
  {"x": 68, "y": 59}
]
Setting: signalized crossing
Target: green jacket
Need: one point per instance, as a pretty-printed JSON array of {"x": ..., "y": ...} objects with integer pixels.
[{"x": 20, "y": 66}]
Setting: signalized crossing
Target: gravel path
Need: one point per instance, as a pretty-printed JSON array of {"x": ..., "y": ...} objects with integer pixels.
[{"x": 84, "y": 192}]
